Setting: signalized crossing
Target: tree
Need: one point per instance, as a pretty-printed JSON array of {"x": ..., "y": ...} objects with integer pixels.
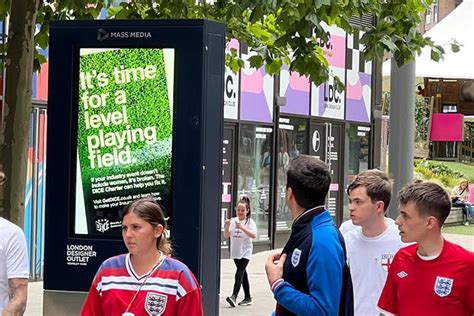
[
  {"x": 281, "y": 32},
  {"x": 16, "y": 104}
]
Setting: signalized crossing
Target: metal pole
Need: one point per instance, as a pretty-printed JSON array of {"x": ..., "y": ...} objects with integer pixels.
[
  {"x": 45, "y": 126},
  {"x": 34, "y": 194},
  {"x": 402, "y": 128}
]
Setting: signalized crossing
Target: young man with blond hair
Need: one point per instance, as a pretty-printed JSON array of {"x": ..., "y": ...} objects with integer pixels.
[
  {"x": 433, "y": 276},
  {"x": 374, "y": 242}
]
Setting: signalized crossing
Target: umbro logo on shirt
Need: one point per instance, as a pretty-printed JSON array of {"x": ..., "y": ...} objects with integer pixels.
[{"x": 402, "y": 274}]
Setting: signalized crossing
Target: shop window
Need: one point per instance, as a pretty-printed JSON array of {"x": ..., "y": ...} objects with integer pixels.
[
  {"x": 358, "y": 153},
  {"x": 254, "y": 170},
  {"x": 292, "y": 142},
  {"x": 359, "y": 137}
]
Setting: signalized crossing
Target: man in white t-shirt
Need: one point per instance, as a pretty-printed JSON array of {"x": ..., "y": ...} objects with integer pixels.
[
  {"x": 372, "y": 245},
  {"x": 14, "y": 270}
]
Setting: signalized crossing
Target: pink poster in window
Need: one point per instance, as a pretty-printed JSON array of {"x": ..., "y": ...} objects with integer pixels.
[{"x": 447, "y": 127}]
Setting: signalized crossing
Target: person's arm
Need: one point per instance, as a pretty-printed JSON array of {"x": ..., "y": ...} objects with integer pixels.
[
  {"x": 191, "y": 302},
  {"x": 324, "y": 273},
  {"x": 17, "y": 273},
  {"x": 93, "y": 304},
  {"x": 274, "y": 269},
  {"x": 18, "y": 292},
  {"x": 226, "y": 228}
]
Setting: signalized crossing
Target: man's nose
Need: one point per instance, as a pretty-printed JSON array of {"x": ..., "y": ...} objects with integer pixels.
[{"x": 397, "y": 220}]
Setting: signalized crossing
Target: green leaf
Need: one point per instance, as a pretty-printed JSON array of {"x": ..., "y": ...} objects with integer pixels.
[
  {"x": 313, "y": 18},
  {"x": 274, "y": 67},
  {"x": 42, "y": 39},
  {"x": 455, "y": 47},
  {"x": 338, "y": 84},
  {"x": 256, "y": 61},
  {"x": 4, "y": 8},
  {"x": 390, "y": 45}
]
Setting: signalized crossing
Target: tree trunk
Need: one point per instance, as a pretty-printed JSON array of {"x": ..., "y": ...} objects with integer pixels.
[{"x": 17, "y": 105}]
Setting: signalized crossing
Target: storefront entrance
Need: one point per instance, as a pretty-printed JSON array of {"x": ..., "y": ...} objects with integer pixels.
[{"x": 326, "y": 144}]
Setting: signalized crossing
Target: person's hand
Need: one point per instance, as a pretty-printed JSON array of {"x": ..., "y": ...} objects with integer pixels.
[
  {"x": 226, "y": 223},
  {"x": 238, "y": 225},
  {"x": 274, "y": 267}
]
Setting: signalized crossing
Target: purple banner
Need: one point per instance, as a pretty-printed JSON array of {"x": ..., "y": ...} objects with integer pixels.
[
  {"x": 296, "y": 90},
  {"x": 256, "y": 95}
]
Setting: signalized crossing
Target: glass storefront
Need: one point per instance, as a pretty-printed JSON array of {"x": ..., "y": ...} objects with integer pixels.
[
  {"x": 292, "y": 141},
  {"x": 254, "y": 170},
  {"x": 357, "y": 155}
]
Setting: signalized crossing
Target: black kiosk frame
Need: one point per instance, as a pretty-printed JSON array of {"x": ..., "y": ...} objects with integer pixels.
[{"x": 194, "y": 193}]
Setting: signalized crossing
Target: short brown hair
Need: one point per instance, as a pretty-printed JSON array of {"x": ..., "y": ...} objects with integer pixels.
[
  {"x": 429, "y": 198},
  {"x": 377, "y": 184}
]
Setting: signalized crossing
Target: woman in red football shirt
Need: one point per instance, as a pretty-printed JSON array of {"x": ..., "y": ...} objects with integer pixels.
[{"x": 146, "y": 281}]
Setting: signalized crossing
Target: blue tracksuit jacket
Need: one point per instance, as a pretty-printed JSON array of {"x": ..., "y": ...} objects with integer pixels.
[{"x": 313, "y": 269}]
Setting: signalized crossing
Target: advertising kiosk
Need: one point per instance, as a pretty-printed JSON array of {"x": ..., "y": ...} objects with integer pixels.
[{"x": 135, "y": 110}]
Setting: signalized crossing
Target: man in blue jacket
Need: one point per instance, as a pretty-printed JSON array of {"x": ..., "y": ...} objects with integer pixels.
[{"x": 307, "y": 277}]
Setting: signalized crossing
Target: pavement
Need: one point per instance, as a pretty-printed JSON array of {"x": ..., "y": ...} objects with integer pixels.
[{"x": 263, "y": 302}]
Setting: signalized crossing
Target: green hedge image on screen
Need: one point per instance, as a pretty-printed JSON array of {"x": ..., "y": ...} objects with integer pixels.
[{"x": 147, "y": 105}]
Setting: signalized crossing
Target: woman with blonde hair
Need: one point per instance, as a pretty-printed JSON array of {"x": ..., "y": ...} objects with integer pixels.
[
  {"x": 146, "y": 281},
  {"x": 460, "y": 198}
]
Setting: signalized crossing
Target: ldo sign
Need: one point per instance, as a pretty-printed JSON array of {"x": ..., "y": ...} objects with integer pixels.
[{"x": 135, "y": 109}]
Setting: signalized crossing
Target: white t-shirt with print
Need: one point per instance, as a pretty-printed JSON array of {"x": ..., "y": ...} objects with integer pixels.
[
  {"x": 13, "y": 257},
  {"x": 369, "y": 259},
  {"x": 240, "y": 243}
]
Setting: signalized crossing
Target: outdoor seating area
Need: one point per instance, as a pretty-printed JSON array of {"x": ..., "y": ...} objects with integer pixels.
[{"x": 456, "y": 217}]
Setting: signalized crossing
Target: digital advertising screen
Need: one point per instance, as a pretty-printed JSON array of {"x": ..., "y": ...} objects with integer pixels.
[{"x": 124, "y": 134}]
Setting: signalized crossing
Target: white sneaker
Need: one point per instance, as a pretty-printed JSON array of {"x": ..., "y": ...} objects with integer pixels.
[{"x": 466, "y": 223}]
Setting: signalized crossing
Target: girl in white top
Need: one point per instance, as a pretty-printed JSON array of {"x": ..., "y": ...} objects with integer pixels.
[{"x": 241, "y": 230}]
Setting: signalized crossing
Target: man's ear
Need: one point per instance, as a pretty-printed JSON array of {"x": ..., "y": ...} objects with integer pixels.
[
  {"x": 289, "y": 194},
  {"x": 380, "y": 207},
  {"x": 432, "y": 222}
]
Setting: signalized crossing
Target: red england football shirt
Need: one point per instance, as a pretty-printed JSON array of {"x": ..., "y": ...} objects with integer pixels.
[
  {"x": 442, "y": 286},
  {"x": 170, "y": 289}
]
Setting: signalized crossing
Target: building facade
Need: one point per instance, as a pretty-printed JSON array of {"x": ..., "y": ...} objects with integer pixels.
[{"x": 271, "y": 120}]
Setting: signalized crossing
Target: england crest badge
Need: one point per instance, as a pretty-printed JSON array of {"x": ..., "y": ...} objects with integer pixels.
[
  {"x": 155, "y": 304},
  {"x": 386, "y": 261},
  {"x": 443, "y": 286},
  {"x": 295, "y": 257}
]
